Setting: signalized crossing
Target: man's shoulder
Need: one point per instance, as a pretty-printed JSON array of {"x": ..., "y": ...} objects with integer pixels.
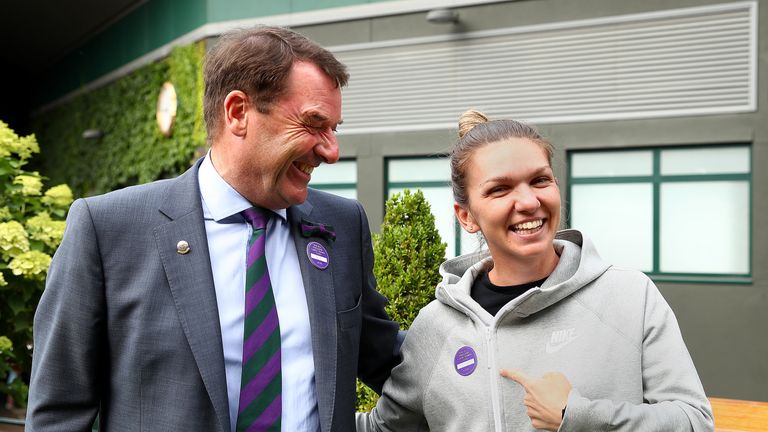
[
  {"x": 148, "y": 194},
  {"x": 318, "y": 197},
  {"x": 334, "y": 205},
  {"x": 182, "y": 191},
  {"x": 136, "y": 208},
  {"x": 322, "y": 200},
  {"x": 324, "y": 207}
]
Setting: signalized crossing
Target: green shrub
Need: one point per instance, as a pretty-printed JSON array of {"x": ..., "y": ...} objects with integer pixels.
[
  {"x": 31, "y": 227},
  {"x": 408, "y": 253}
]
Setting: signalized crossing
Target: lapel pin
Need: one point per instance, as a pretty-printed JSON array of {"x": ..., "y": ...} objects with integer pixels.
[
  {"x": 182, "y": 247},
  {"x": 317, "y": 255}
]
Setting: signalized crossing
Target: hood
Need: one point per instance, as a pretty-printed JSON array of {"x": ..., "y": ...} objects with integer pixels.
[{"x": 579, "y": 265}]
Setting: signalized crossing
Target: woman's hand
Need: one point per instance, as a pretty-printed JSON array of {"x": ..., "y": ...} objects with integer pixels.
[{"x": 545, "y": 397}]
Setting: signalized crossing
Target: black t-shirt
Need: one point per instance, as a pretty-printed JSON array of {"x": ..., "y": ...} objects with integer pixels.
[{"x": 493, "y": 297}]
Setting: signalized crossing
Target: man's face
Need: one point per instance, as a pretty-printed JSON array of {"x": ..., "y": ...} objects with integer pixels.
[{"x": 297, "y": 135}]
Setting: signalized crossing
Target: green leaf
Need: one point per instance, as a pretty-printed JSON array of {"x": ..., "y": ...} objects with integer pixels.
[
  {"x": 5, "y": 167},
  {"x": 16, "y": 303},
  {"x": 23, "y": 323}
]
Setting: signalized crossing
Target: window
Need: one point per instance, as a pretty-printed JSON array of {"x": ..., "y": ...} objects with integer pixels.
[
  {"x": 674, "y": 213},
  {"x": 339, "y": 178},
  {"x": 432, "y": 176}
]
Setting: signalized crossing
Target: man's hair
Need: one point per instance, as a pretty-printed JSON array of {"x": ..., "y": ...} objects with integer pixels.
[{"x": 257, "y": 61}]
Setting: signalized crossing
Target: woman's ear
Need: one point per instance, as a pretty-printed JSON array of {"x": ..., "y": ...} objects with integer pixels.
[
  {"x": 236, "y": 113},
  {"x": 465, "y": 218}
]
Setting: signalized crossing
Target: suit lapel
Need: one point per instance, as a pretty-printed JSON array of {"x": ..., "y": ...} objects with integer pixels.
[
  {"x": 318, "y": 285},
  {"x": 191, "y": 281}
]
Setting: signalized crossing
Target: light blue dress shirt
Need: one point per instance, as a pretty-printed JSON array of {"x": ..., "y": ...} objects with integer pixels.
[{"x": 228, "y": 235}]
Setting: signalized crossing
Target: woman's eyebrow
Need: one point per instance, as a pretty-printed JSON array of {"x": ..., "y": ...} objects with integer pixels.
[{"x": 504, "y": 178}]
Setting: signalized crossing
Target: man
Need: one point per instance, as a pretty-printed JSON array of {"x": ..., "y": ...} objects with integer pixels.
[{"x": 143, "y": 316}]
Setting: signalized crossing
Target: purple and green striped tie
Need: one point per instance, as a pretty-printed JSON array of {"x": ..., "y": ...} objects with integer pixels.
[{"x": 260, "y": 387}]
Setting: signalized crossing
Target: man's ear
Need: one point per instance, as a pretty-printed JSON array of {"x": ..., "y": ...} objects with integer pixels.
[
  {"x": 465, "y": 218},
  {"x": 236, "y": 105}
]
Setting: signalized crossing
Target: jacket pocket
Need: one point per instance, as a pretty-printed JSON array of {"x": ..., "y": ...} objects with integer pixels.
[{"x": 350, "y": 318}]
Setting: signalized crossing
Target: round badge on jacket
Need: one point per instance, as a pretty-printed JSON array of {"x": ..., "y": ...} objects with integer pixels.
[
  {"x": 465, "y": 361},
  {"x": 317, "y": 255}
]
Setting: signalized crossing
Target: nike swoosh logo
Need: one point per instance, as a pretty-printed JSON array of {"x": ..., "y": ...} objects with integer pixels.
[{"x": 553, "y": 348}]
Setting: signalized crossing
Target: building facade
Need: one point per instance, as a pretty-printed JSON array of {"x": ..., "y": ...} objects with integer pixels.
[{"x": 657, "y": 111}]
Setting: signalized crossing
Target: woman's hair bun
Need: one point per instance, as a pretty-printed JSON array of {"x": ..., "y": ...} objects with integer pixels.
[{"x": 469, "y": 120}]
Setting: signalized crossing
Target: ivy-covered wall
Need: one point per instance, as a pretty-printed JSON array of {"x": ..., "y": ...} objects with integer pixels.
[{"x": 132, "y": 149}]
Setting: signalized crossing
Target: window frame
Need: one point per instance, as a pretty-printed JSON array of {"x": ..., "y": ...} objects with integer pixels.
[
  {"x": 413, "y": 185},
  {"x": 330, "y": 187},
  {"x": 656, "y": 179}
]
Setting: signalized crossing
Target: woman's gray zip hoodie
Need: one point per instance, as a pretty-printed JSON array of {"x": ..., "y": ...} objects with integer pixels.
[{"x": 607, "y": 329}]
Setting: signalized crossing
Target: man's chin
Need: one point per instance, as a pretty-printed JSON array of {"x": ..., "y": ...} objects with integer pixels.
[{"x": 295, "y": 197}]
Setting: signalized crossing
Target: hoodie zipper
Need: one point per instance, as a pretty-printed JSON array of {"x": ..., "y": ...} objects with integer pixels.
[
  {"x": 493, "y": 376},
  {"x": 493, "y": 373}
]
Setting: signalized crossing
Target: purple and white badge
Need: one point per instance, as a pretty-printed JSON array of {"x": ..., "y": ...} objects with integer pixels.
[
  {"x": 317, "y": 255},
  {"x": 465, "y": 361}
]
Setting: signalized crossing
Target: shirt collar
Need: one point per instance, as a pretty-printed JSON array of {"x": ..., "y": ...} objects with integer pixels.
[{"x": 220, "y": 200}]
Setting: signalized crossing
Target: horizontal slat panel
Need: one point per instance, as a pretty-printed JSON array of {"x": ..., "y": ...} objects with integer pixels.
[
  {"x": 584, "y": 45},
  {"x": 587, "y": 78},
  {"x": 695, "y": 61}
]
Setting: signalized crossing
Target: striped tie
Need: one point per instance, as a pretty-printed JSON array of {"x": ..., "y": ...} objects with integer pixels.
[{"x": 260, "y": 399}]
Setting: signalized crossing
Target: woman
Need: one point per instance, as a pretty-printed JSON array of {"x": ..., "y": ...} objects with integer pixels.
[{"x": 538, "y": 303}]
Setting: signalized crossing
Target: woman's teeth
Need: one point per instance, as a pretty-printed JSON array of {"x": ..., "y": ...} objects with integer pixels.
[{"x": 528, "y": 226}]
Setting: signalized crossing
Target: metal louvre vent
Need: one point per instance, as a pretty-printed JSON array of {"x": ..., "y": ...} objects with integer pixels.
[{"x": 682, "y": 62}]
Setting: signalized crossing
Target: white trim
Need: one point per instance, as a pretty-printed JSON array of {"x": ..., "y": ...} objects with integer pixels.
[{"x": 753, "y": 56}]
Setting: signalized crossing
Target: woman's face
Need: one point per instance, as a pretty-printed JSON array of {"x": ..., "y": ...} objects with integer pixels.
[{"x": 513, "y": 199}]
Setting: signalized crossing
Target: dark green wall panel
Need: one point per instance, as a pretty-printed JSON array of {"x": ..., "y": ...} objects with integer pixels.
[
  {"x": 224, "y": 10},
  {"x": 151, "y": 26}
]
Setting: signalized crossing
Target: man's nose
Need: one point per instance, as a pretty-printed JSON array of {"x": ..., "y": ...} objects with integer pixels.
[{"x": 328, "y": 148}]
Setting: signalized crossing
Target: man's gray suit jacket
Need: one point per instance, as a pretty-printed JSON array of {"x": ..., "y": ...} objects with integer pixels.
[{"x": 128, "y": 327}]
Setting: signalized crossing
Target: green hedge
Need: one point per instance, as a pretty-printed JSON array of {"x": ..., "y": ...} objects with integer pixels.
[
  {"x": 132, "y": 149},
  {"x": 31, "y": 228}
]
